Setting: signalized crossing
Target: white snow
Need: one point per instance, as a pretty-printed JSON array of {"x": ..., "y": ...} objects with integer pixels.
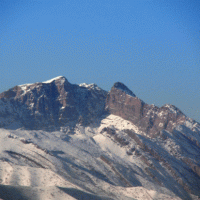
[
  {"x": 189, "y": 123},
  {"x": 90, "y": 86},
  {"x": 31, "y": 105},
  {"x": 53, "y": 79},
  {"x": 171, "y": 108},
  {"x": 119, "y": 123},
  {"x": 70, "y": 160},
  {"x": 161, "y": 113},
  {"x": 24, "y": 86},
  {"x": 109, "y": 146},
  {"x": 161, "y": 124}
]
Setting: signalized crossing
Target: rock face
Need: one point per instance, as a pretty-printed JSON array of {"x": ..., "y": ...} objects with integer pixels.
[
  {"x": 122, "y": 102},
  {"x": 151, "y": 119},
  {"x": 56, "y": 103},
  {"x": 106, "y": 138},
  {"x": 50, "y": 105}
]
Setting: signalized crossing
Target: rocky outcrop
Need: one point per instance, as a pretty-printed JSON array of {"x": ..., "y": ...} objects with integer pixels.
[
  {"x": 122, "y": 102},
  {"x": 50, "y": 105},
  {"x": 151, "y": 119},
  {"x": 56, "y": 103},
  {"x": 160, "y": 146}
]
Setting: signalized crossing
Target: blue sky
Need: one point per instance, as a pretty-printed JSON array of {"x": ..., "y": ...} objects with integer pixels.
[{"x": 152, "y": 46}]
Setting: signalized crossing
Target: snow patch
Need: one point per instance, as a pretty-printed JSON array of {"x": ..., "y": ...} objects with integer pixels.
[
  {"x": 56, "y": 78},
  {"x": 161, "y": 113},
  {"x": 109, "y": 146},
  {"x": 90, "y": 86},
  {"x": 172, "y": 108},
  {"x": 161, "y": 125},
  {"x": 24, "y": 86},
  {"x": 119, "y": 123}
]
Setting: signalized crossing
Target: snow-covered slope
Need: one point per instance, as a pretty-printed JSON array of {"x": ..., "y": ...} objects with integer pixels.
[
  {"x": 55, "y": 165},
  {"x": 115, "y": 155}
]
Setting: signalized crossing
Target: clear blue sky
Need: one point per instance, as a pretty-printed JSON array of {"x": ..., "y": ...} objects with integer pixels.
[{"x": 152, "y": 46}]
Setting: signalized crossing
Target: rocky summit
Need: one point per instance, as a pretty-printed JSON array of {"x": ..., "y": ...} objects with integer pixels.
[
  {"x": 51, "y": 104},
  {"x": 149, "y": 118},
  {"x": 66, "y": 141}
]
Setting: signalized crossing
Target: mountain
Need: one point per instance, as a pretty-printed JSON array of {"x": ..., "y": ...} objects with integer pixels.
[
  {"x": 149, "y": 118},
  {"x": 50, "y": 105},
  {"x": 67, "y": 141}
]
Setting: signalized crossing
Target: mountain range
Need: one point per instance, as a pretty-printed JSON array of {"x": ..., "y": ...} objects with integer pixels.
[{"x": 68, "y": 141}]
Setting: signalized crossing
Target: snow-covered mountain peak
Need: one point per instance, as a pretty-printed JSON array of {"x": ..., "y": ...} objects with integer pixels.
[
  {"x": 48, "y": 81},
  {"x": 26, "y": 87},
  {"x": 60, "y": 78},
  {"x": 91, "y": 85},
  {"x": 91, "y": 144},
  {"x": 51, "y": 104}
]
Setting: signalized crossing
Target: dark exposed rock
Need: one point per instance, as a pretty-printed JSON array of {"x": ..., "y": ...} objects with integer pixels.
[
  {"x": 151, "y": 119},
  {"x": 51, "y": 105},
  {"x": 169, "y": 149},
  {"x": 124, "y": 88},
  {"x": 114, "y": 136},
  {"x": 195, "y": 167},
  {"x": 167, "y": 163},
  {"x": 120, "y": 103}
]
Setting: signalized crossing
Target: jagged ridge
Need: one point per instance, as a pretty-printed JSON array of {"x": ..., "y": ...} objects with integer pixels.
[
  {"x": 107, "y": 138},
  {"x": 50, "y": 105}
]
